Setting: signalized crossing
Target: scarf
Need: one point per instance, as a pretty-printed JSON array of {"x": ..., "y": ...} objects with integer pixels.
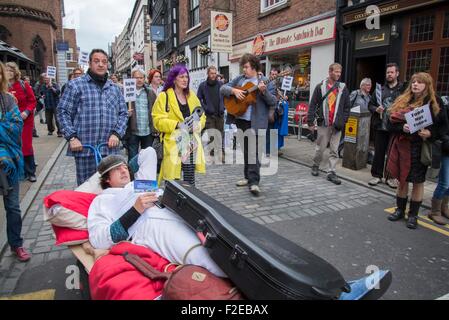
[
  {"x": 99, "y": 80},
  {"x": 11, "y": 124}
]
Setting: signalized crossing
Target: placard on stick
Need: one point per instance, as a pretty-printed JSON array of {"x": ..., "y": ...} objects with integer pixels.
[
  {"x": 83, "y": 58},
  {"x": 419, "y": 118},
  {"x": 130, "y": 89},
  {"x": 287, "y": 83},
  {"x": 51, "y": 72}
]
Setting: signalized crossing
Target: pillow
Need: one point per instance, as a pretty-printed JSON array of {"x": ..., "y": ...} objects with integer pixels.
[
  {"x": 91, "y": 185},
  {"x": 70, "y": 237},
  {"x": 62, "y": 217}
]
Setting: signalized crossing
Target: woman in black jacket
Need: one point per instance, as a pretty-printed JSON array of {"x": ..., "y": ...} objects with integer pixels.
[
  {"x": 440, "y": 213},
  {"x": 404, "y": 156}
]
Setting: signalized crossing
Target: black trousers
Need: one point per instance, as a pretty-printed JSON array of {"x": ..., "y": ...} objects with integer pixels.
[
  {"x": 134, "y": 142},
  {"x": 30, "y": 166},
  {"x": 252, "y": 167},
  {"x": 381, "y": 141},
  {"x": 50, "y": 114}
]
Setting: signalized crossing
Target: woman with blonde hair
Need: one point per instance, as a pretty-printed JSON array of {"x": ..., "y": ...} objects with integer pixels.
[
  {"x": 404, "y": 156},
  {"x": 11, "y": 165},
  {"x": 27, "y": 104}
]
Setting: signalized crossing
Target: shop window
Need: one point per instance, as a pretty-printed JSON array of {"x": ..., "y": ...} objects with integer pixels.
[
  {"x": 194, "y": 58},
  {"x": 418, "y": 61},
  {"x": 270, "y": 4},
  {"x": 421, "y": 28},
  {"x": 194, "y": 13},
  {"x": 446, "y": 25},
  {"x": 443, "y": 73}
]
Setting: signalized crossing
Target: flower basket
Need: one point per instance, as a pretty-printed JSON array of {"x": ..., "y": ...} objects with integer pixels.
[{"x": 204, "y": 50}]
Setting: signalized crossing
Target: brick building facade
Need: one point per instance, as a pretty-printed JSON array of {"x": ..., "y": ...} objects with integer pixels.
[
  {"x": 72, "y": 53},
  {"x": 34, "y": 27}
]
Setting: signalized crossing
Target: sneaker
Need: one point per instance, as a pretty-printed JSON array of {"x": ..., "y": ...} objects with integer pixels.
[
  {"x": 332, "y": 177},
  {"x": 374, "y": 181},
  {"x": 21, "y": 253},
  {"x": 255, "y": 190},
  {"x": 315, "y": 171},
  {"x": 242, "y": 183},
  {"x": 60, "y": 135},
  {"x": 32, "y": 178},
  {"x": 392, "y": 183},
  {"x": 50, "y": 133}
]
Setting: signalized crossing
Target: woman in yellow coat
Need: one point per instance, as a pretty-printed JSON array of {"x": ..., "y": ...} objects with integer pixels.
[{"x": 175, "y": 103}]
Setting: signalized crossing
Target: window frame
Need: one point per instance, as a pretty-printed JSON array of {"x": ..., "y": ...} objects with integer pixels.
[
  {"x": 192, "y": 11},
  {"x": 264, "y": 8}
]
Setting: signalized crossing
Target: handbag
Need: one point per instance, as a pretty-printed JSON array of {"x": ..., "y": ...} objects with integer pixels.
[
  {"x": 426, "y": 153},
  {"x": 187, "y": 282}
]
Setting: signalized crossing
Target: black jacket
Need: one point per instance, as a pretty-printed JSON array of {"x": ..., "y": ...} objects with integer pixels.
[
  {"x": 316, "y": 107},
  {"x": 444, "y": 133},
  {"x": 389, "y": 95}
]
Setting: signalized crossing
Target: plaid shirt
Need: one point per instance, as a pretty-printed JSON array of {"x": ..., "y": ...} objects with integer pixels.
[
  {"x": 92, "y": 114},
  {"x": 143, "y": 121}
]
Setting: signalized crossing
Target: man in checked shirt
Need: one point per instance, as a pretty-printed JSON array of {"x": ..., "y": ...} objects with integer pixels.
[{"x": 92, "y": 111}]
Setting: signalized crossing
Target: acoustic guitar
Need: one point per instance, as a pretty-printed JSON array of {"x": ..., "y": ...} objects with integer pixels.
[{"x": 238, "y": 107}]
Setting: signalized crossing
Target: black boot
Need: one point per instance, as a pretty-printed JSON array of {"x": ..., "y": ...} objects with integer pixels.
[
  {"x": 400, "y": 210},
  {"x": 412, "y": 222}
]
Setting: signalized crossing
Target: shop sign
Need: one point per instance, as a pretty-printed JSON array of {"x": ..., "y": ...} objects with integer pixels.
[
  {"x": 305, "y": 35},
  {"x": 259, "y": 45},
  {"x": 221, "y": 32},
  {"x": 351, "y": 130},
  {"x": 386, "y": 9},
  {"x": 372, "y": 38}
]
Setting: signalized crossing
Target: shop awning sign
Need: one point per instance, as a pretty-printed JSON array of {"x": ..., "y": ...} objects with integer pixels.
[{"x": 419, "y": 118}]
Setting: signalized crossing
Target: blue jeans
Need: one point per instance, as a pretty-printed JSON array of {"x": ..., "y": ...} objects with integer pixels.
[
  {"x": 13, "y": 217},
  {"x": 134, "y": 142},
  {"x": 442, "y": 188}
]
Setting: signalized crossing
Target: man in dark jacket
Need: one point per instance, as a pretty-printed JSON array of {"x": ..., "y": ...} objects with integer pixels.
[
  {"x": 390, "y": 91},
  {"x": 213, "y": 105},
  {"x": 330, "y": 107},
  {"x": 50, "y": 91}
]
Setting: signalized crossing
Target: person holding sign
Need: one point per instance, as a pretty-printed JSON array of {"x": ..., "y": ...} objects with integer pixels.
[
  {"x": 381, "y": 100},
  {"x": 404, "y": 155},
  {"x": 173, "y": 106},
  {"x": 50, "y": 91},
  {"x": 92, "y": 111}
]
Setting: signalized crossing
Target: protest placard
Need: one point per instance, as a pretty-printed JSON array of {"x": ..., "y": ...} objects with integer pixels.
[
  {"x": 51, "y": 72},
  {"x": 419, "y": 118},
  {"x": 83, "y": 58},
  {"x": 130, "y": 89},
  {"x": 287, "y": 83}
]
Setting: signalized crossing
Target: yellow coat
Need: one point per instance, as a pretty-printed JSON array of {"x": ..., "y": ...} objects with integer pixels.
[{"x": 166, "y": 122}]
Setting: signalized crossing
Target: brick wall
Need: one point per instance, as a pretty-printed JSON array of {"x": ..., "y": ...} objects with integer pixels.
[
  {"x": 248, "y": 23},
  {"x": 70, "y": 37}
]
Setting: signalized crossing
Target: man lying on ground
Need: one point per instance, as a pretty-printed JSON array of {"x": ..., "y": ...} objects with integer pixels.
[{"x": 120, "y": 214}]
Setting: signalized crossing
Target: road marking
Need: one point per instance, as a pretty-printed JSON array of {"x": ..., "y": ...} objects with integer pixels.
[
  {"x": 38, "y": 295},
  {"x": 441, "y": 230}
]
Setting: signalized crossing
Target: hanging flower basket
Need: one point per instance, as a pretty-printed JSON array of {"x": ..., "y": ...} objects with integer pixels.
[
  {"x": 181, "y": 59},
  {"x": 204, "y": 50}
]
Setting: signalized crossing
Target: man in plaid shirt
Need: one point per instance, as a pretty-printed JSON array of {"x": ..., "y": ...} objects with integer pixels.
[{"x": 92, "y": 111}]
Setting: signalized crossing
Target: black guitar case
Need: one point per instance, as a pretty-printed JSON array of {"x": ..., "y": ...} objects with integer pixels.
[{"x": 261, "y": 263}]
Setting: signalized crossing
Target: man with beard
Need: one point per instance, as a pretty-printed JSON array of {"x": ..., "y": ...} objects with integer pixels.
[
  {"x": 213, "y": 105},
  {"x": 390, "y": 91}
]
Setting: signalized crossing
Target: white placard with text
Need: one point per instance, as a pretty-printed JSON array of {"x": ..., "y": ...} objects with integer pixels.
[
  {"x": 419, "y": 118},
  {"x": 51, "y": 72},
  {"x": 130, "y": 89}
]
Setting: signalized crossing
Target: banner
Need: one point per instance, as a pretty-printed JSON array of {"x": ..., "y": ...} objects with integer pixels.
[{"x": 221, "y": 32}]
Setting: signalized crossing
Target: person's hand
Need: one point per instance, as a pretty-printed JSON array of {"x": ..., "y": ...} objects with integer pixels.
[
  {"x": 406, "y": 128},
  {"x": 424, "y": 134},
  {"x": 145, "y": 201},
  {"x": 380, "y": 109},
  {"x": 113, "y": 141},
  {"x": 130, "y": 112},
  {"x": 262, "y": 87},
  {"x": 24, "y": 115},
  {"x": 240, "y": 94},
  {"x": 76, "y": 146}
]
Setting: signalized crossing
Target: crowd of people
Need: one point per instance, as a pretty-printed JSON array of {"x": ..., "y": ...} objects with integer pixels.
[{"x": 90, "y": 110}]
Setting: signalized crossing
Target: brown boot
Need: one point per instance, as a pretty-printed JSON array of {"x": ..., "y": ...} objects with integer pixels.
[
  {"x": 435, "y": 213},
  {"x": 444, "y": 208}
]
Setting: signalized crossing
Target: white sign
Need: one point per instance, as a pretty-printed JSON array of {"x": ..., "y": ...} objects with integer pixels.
[
  {"x": 287, "y": 83},
  {"x": 419, "y": 118},
  {"x": 130, "y": 90},
  {"x": 306, "y": 35},
  {"x": 83, "y": 58},
  {"x": 379, "y": 94},
  {"x": 221, "y": 32},
  {"x": 51, "y": 72}
]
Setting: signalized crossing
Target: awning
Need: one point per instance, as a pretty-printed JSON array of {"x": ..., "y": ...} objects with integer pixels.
[{"x": 6, "y": 48}]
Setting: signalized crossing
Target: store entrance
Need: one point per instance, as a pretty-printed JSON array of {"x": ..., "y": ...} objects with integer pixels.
[{"x": 370, "y": 67}]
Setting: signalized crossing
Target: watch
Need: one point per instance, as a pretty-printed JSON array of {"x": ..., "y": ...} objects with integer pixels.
[{"x": 72, "y": 138}]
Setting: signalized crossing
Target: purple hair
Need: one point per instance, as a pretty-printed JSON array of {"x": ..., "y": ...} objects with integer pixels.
[{"x": 173, "y": 73}]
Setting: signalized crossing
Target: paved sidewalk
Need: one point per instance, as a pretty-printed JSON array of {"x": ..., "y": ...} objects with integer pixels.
[{"x": 303, "y": 151}]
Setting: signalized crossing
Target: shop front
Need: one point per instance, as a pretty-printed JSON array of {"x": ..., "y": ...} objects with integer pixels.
[
  {"x": 413, "y": 33},
  {"x": 306, "y": 50}
]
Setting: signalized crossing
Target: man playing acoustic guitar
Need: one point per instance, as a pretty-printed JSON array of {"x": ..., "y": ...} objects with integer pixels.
[{"x": 255, "y": 118}]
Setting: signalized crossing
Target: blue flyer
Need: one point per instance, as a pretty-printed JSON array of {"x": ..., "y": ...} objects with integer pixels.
[{"x": 145, "y": 186}]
